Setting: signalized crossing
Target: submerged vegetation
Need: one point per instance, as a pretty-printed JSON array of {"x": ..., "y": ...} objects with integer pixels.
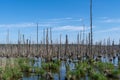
[{"x": 16, "y": 68}]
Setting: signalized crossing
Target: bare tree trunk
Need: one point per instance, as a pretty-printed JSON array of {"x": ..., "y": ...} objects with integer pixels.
[
  {"x": 66, "y": 45},
  {"x": 89, "y": 46},
  {"x": 51, "y": 46},
  {"x": 44, "y": 41},
  {"x": 37, "y": 38},
  {"x": 83, "y": 48},
  {"x": 23, "y": 45},
  {"x": 47, "y": 41},
  {"x": 27, "y": 48},
  {"x": 18, "y": 42},
  {"x": 108, "y": 46},
  {"x": 87, "y": 51},
  {"x": 112, "y": 47},
  {"x": 7, "y": 45},
  {"x": 60, "y": 47},
  {"x": 78, "y": 44},
  {"x": 91, "y": 38}
]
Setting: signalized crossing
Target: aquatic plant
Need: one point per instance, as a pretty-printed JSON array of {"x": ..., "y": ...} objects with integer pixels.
[
  {"x": 70, "y": 74},
  {"x": 9, "y": 72},
  {"x": 17, "y": 73},
  {"x": 53, "y": 66},
  {"x": 26, "y": 68},
  {"x": 57, "y": 61},
  {"x": 25, "y": 65},
  {"x": 39, "y": 71},
  {"x": 67, "y": 67},
  {"x": 6, "y": 76},
  {"x": 104, "y": 66},
  {"x": 32, "y": 61},
  {"x": 113, "y": 74},
  {"x": 118, "y": 65},
  {"x": 98, "y": 76},
  {"x": 45, "y": 66},
  {"x": 82, "y": 67}
]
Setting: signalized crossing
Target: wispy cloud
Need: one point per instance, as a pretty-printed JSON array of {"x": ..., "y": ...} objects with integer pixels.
[
  {"x": 22, "y": 25},
  {"x": 70, "y": 28},
  {"x": 66, "y": 18},
  {"x": 109, "y": 30},
  {"x": 103, "y": 17},
  {"x": 44, "y": 23},
  {"x": 110, "y": 20},
  {"x": 63, "y": 20}
]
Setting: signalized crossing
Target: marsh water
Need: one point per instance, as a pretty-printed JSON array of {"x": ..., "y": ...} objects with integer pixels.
[{"x": 62, "y": 70}]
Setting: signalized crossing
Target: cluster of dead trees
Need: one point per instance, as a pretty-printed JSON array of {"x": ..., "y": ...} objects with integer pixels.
[{"x": 47, "y": 49}]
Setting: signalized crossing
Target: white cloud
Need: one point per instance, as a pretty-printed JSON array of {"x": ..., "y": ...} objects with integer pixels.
[
  {"x": 70, "y": 28},
  {"x": 46, "y": 23},
  {"x": 103, "y": 17},
  {"x": 67, "y": 19},
  {"x": 107, "y": 20},
  {"x": 80, "y": 20},
  {"x": 109, "y": 30},
  {"x": 22, "y": 25}
]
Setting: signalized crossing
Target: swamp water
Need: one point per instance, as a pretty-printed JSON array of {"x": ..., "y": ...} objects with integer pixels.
[{"x": 61, "y": 75}]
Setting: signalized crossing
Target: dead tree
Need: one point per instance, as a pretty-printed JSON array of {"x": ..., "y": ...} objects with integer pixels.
[
  {"x": 112, "y": 52},
  {"x": 78, "y": 44},
  {"x": 86, "y": 48},
  {"x": 7, "y": 44},
  {"x": 44, "y": 41},
  {"x": 37, "y": 38},
  {"x": 104, "y": 47},
  {"x": 89, "y": 45},
  {"x": 47, "y": 41},
  {"x": 51, "y": 46},
  {"x": 23, "y": 46},
  {"x": 60, "y": 47},
  {"x": 18, "y": 43},
  {"x": 27, "y": 45},
  {"x": 66, "y": 45},
  {"x": 108, "y": 46},
  {"x": 91, "y": 35},
  {"x": 80, "y": 41}
]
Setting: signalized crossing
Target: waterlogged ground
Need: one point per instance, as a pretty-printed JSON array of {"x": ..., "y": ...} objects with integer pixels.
[
  {"x": 57, "y": 76},
  {"x": 62, "y": 70}
]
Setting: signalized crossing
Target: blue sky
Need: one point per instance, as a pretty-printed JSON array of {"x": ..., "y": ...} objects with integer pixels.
[{"x": 63, "y": 16}]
